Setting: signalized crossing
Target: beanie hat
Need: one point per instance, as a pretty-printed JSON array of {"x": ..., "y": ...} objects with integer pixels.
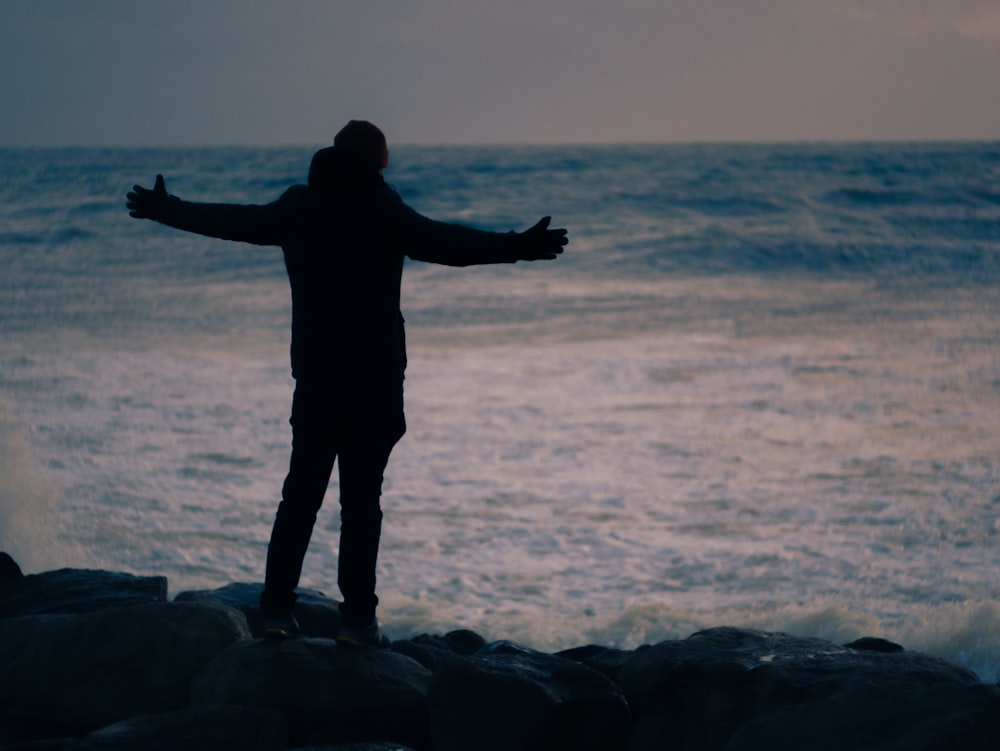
[{"x": 365, "y": 142}]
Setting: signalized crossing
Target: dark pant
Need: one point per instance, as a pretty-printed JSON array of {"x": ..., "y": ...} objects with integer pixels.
[{"x": 327, "y": 428}]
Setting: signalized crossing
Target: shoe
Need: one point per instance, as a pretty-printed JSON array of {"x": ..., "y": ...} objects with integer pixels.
[
  {"x": 280, "y": 626},
  {"x": 363, "y": 636}
]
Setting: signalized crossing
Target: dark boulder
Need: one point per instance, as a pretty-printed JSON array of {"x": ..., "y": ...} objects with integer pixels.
[
  {"x": 194, "y": 729},
  {"x": 317, "y": 614},
  {"x": 739, "y": 690},
  {"x": 44, "y": 744},
  {"x": 78, "y": 672},
  {"x": 71, "y": 590},
  {"x": 348, "y": 694},
  {"x": 605, "y": 659},
  {"x": 429, "y": 650},
  {"x": 874, "y": 644},
  {"x": 861, "y": 717},
  {"x": 317, "y": 744},
  {"x": 9, "y": 570},
  {"x": 363, "y": 746},
  {"x": 519, "y": 699}
]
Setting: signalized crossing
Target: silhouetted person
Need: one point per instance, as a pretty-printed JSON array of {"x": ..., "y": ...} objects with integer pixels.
[{"x": 344, "y": 237}]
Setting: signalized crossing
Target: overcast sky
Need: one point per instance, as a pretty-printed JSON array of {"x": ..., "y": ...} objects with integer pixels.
[{"x": 137, "y": 72}]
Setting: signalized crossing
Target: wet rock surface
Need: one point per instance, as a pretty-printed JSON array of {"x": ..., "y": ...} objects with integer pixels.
[
  {"x": 100, "y": 660},
  {"x": 317, "y": 614},
  {"x": 73, "y": 590}
]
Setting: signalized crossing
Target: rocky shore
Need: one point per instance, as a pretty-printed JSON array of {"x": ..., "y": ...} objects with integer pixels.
[{"x": 102, "y": 660}]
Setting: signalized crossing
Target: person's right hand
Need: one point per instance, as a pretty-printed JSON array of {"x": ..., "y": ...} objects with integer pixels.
[
  {"x": 540, "y": 243},
  {"x": 144, "y": 203}
]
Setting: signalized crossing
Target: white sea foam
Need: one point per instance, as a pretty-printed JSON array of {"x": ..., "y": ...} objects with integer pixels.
[{"x": 25, "y": 500}]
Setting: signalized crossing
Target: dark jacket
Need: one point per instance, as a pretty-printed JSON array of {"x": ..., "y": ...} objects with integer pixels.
[{"x": 344, "y": 247}]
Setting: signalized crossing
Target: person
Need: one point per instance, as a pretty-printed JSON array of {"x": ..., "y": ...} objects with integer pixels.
[{"x": 344, "y": 236}]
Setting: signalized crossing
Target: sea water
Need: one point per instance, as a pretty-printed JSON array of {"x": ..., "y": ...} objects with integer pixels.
[{"x": 761, "y": 388}]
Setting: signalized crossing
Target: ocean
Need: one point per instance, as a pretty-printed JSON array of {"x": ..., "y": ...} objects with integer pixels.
[{"x": 761, "y": 388}]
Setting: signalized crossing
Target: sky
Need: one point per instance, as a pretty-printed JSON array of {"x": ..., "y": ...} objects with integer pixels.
[{"x": 256, "y": 72}]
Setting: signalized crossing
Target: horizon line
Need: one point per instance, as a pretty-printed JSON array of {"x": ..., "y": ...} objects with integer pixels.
[{"x": 519, "y": 144}]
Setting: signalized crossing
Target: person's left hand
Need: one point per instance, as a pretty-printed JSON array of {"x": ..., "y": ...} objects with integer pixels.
[
  {"x": 144, "y": 203},
  {"x": 539, "y": 243}
]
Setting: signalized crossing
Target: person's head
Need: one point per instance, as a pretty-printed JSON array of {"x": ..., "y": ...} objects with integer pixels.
[
  {"x": 365, "y": 142},
  {"x": 355, "y": 161}
]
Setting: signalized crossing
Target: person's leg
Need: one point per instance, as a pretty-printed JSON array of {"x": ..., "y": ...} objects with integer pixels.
[
  {"x": 313, "y": 452},
  {"x": 362, "y": 466}
]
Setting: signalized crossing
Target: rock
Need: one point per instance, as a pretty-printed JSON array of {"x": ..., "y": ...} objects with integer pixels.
[
  {"x": 860, "y": 716},
  {"x": 604, "y": 659},
  {"x": 317, "y": 614},
  {"x": 525, "y": 700},
  {"x": 72, "y": 590},
  {"x": 73, "y": 673},
  {"x": 44, "y": 744},
  {"x": 9, "y": 570},
  {"x": 349, "y": 694},
  {"x": 873, "y": 644},
  {"x": 505, "y": 647},
  {"x": 364, "y": 746},
  {"x": 74, "y": 661},
  {"x": 740, "y": 690},
  {"x": 430, "y": 650},
  {"x": 194, "y": 729},
  {"x": 464, "y": 641}
]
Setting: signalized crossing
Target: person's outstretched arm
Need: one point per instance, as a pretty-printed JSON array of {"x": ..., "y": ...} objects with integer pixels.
[
  {"x": 257, "y": 224},
  {"x": 455, "y": 245}
]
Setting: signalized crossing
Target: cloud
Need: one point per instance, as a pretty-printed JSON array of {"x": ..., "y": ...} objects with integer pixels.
[
  {"x": 983, "y": 25},
  {"x": 978, "y": 19}
]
